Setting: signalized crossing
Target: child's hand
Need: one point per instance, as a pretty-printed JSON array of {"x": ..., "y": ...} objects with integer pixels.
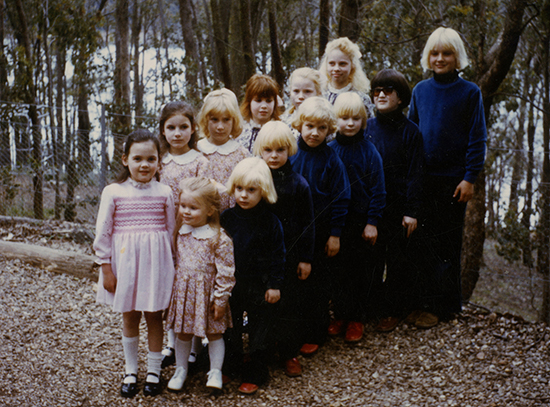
[
  {"x": 370, "y": 234},
  {"x": 304, "y": 269},
  {"x": 333, "y": 246},
  {"x": 218, "y": 311},
  {"x": 272, "y": 296},
  {"x": 410, "y": 224},
  {"x": 109, "y": 279},
  {"x": 464, "y": 191}
]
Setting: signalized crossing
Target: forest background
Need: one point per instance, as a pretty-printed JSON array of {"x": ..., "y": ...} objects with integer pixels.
[{"x": 76, "y": 76}]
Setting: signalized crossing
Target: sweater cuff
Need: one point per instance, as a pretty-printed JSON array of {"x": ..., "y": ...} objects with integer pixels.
[
  {"x": 336, "y": 231},
  {"x": 373, "y": 221},
  {"x": 470, "y": 177}
]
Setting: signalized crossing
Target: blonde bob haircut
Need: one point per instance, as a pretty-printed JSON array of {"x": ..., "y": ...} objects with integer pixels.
[
  {"x": 220, "y": 102},
  {"x": 253, "y": 171},
  {"x": 305, "y": 73},
  {"x": 315, "y": 109},
  {"x": 357, "y": 76},
  {"x": 275, "y": 134},
  {"x": 350, "y": 104},
  {"x": 206, "y": 194},
  {"x": 449, "y": 40}
]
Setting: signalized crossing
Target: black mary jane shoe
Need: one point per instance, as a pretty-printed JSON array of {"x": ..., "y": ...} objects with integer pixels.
[
  {"x": 168, "y": 360},
  {"x": 129, "y": 390},
  {"x": 151, "y": 389}
]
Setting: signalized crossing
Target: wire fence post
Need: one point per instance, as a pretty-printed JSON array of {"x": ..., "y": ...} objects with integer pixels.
[{"x": 103, "y": 172}]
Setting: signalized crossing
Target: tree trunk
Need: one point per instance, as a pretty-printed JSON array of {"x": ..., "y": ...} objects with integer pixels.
[
  {"x": 491, "y": 73},
  {"x": 192, "y": 60},
  {"x": 5, "y": 157},
  {"x": 138, "y": 85},
  {"x": 276, "y": 61},
  {"x": 164, "y": 35},
  {"x": 324, "y": 25},
  {"x": 528, "y": 207},
  {"x": 220, "y": 39},
  {"x": 249, "y": 66},
  {"x": 58, "y": 156},
  {"x": 349, "y": 24}
]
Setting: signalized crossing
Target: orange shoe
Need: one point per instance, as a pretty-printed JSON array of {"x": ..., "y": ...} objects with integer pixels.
[
  {"x": 354, "y": 332},
  {"x": 309, "y": 349},
  {"x": 336, "y": 327},
  {"x": 293, "y": 367},
  {"x": 248, "y": 388}
]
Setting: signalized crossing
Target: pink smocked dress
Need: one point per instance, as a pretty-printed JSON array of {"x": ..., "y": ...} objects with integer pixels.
[
  {"x": 134, "y": 230},
  {"x": 205, "y": 273},
  {"x": 222, "y": 161},
  {"x": 177, "y": 167}
]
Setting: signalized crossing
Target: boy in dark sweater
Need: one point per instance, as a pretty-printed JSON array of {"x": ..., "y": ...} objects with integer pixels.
[{"x": 354, "y": 280}]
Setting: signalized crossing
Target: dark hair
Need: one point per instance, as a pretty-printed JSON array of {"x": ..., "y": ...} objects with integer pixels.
[
  {"x": 172, "y": 109},
  {"x": 262, "y": 86},
  {"x": 390, "y": 77},
  {"x": 137, "y": 136}
]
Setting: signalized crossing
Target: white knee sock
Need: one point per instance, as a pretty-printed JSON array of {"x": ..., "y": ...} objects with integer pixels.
[
  {"x": 183, "y": 349},
  {"x": 130, "y": 347},
  {"x": 216, "y": 350},
  {"x": 154, "y": 360}
]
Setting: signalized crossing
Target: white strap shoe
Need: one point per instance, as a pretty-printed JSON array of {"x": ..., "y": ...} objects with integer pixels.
[
  {"x": 176, "y": 382},
  {"x": 214, "y": 379}
]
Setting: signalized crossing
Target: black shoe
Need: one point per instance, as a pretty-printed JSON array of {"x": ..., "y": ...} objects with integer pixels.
[
  {"x": 129, "y": 390},
  {"x": 151, "y": 389},
  {"x": 168, "y": 360}
]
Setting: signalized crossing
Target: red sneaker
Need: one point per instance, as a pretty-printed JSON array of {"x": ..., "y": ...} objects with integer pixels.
[
  {"x": 248, "y": 388},
  {"x": 354, "y": 332},
  {"x": 293, "y": 367},
  {"x": 309, "y": 349},
  {"x": 336, "y": 327}
]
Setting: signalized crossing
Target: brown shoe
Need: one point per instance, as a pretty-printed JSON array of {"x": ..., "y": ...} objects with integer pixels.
[
  {"x": 309, "y": 349},
  {"x": 387, "y": 324},
  {"x": 426, "y": 320},
  {"x": 248, "y": 388},
  {"x": 336, "y": 327},
  {"x": 413, "y": 316},
  {"x": 354, "y": 332},
  {"x": 293, "y": 367}
]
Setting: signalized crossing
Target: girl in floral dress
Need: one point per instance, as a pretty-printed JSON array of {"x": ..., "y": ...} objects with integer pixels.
[{"x": 205, "y": 271}]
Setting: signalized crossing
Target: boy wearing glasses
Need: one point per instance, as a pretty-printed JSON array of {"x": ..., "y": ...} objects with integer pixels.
[{"x": 399, "y": 142}]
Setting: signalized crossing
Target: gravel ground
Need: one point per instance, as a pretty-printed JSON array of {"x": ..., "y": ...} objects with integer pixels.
[{"x": 60, "y": 348}]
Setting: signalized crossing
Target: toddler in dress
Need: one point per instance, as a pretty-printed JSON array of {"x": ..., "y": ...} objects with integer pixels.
[
  {"x": 134, "y": 230},
  {"x": 204, "y": 279}
]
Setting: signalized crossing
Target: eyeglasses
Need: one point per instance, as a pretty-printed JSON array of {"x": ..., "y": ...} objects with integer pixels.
[{"x": 388, "y": 90}]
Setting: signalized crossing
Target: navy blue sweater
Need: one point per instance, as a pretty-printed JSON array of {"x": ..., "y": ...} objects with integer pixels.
[
  {"x": 258, "y": 245},
  {"x": 399, "y": 142},
  {"x": 366, "y": 176},
  {"x": 452, "y": 122},
  {"x": 294, "y": 208},
  {"x": 328, "y": 182}
]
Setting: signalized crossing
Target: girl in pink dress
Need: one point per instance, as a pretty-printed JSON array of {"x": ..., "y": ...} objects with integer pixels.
[
  {"x": 205, "y": 270},
  {"x": 220, "y": 122},
  {"x": 180, "y": 159},
  {"x": 133, "y": 243}
]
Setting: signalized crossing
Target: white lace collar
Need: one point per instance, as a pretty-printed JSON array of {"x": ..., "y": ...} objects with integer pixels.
[
  {"x": 202, "y": 232},
  {"x": 181, "y": 159},
  {"x": 140, "y": 185},
  {"x": 332, "y": 89},
  {"x": 225, "y": 149}
]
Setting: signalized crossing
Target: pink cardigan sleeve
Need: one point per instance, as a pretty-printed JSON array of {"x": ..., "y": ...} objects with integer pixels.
[
  {"x": 104, "y": 227},
  {"x": 225, "y": 267}
]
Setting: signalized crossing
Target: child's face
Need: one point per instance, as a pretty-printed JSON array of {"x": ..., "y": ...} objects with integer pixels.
[
  {"x": 247, "y": 197},
  {"x": 349, "y": 125},
  {"x": 192, "y": 211},
  {"x": 301, "y": 89},
  {"x": 275, "y": 157},
  {"x": 178, "y": 131},
  {"x": 220, "y": 127},
  {"x": 386, "y": 99},
  {"x": 262, "y": 109},
  {"x": 442, "y": 60},
  {"x": 314, "y": 133},
  {"x": 339, "y": 68},
  {"x": 142, "y": 161}
]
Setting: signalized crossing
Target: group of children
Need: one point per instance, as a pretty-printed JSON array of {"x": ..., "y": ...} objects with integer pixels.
[{"x": 263, "y": 224}]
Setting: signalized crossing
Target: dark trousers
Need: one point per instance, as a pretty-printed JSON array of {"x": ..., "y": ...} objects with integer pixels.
[
  {"x": 353, "y": 278},
  {"x": 440, "y": 246}
]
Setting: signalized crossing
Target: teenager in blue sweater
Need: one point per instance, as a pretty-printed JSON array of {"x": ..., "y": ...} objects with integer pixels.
[
  {"x": 449, "y": 112},
  {"x": 399, "y": 142},
  {"x": 294, "y": 208},
  {"x": 259, "y": 270},
  {"x": 354, "y": 280},
  {"x": 329, "y": 184}
]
